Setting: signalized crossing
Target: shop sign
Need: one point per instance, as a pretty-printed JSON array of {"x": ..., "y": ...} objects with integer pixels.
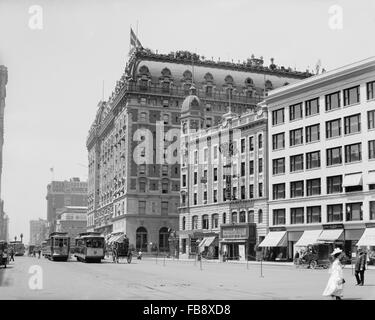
[
  {"x": 370, "y": 225},
  {"x": 247, "y": 231},
  {"x": 333, "y": 226},
  {"x": 277, "y": 228}
]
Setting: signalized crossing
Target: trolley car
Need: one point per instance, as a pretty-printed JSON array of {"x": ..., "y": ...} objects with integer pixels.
[
  {"x": 44, "y": 248},
  {"x": 89, "y": 247},
  {"x": 57, "y": 246},
  {"x": 18, "y": 247}
]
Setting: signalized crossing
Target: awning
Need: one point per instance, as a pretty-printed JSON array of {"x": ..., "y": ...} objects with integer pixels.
[
  {"x": 120, "y": 238},
  {"x": 370, "y": 177},
  {"x": 368, "y": 238},
  {"x": 352, "y": 180},
  {"x": 309, "y": 237},
  {"x": 274, "y": 239},
  {"x": 331, "y": 235},
  {"x": 201, "y": 244},
  {"x": 114, "y": 238},
  {"x": 209, "y": 241}
]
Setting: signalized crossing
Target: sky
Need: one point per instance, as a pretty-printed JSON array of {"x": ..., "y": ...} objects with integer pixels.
[{"x": 56, "y": 73}]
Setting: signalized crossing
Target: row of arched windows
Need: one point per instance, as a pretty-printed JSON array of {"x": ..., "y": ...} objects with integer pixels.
[
  {"x": 141, "y": 240},
  {"x": 242, "y": 217},
  {"x": 187, "y": 76}
]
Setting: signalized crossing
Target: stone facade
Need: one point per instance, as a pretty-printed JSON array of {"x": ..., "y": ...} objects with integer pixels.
[
  {"x": 4, "y": 220},
  {"x": 124, "y": 195}
]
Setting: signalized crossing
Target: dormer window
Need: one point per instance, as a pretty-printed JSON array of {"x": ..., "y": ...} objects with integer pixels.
[
  {"x": 166, "y": 119},
  {"x": 165, "y": 86},
  {"x": 208, "y": 91}
]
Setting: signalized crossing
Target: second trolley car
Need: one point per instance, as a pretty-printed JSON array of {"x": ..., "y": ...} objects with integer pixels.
[
  {"x": 57, "y": 246},
  {"x": 89, "y": 247}
]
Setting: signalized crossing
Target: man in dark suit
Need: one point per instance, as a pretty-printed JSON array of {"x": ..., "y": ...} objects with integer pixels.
[{"x": 360, "y": 267}]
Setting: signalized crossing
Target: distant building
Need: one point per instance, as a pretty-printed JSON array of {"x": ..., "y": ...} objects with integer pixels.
[
  {"x": 4, "y": 220},
  {"x": 38, "y": 231},
  {"x": 61, "y": 194},
  {"x": 73, "y": 220}
]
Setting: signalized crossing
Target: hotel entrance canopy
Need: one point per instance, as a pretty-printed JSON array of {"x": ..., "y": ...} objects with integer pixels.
[
  {"x": 368, "y": 238},
  {"x": 275, "y": 239},
  {"x": 331, "y": 235},
  {"x": 308, "y": 237}
]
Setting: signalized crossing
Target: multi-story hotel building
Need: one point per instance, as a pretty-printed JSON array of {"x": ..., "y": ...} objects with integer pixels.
[
  {"x": 4, "y": 220},
  {"x": 223, "y": 182},
  {"x": 322, "y": 160},
  {"x": 141, "y": 198}
]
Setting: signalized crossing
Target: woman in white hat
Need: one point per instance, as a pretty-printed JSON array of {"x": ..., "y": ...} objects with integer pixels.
[{"x": 336, "y": 281}]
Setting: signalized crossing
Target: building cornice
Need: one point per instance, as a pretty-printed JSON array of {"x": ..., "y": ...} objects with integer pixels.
[{"x": 323, "y": 79}]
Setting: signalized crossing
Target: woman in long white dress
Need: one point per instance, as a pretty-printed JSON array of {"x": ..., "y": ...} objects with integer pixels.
[{"x": 335, "y": 285}]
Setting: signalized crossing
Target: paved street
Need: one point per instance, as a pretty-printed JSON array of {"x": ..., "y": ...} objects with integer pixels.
[{"x": 147, "y": 279}]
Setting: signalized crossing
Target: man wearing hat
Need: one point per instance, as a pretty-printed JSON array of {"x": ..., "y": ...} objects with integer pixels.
[{"x": 360, "y": 267}]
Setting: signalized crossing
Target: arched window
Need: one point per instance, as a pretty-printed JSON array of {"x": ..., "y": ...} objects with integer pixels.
[
  {"x": 224, "y": 218},
  {"x": 163, "y": 239},
  {"x": 260, "y": 216},
  {"x": 141, "y": 239},
  {"x": 234, "y": 217},
  {"x": 268, "y": 85},
  {"x": 260, "y": 141},
  {"x": 183, "y": 223},
  {"x": 242, "y": 216},
  {"x": 187, "y": 75},
  {"x": 249, "y": 82},
  {"x": 228, "y": 79},
  {"x": 250, "y": 217},
  {"x": 208, "y": 77},
  {"x": 215, "y": 221},
  {"x": 195, "y": 222},
  {"x": 166, "y": 72},
  {"x": 205, "y": 224},
  {"x": 144, "y": 70}
]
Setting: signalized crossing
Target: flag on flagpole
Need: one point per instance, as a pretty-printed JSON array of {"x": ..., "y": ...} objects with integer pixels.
[{"x": 134, "y": 41}]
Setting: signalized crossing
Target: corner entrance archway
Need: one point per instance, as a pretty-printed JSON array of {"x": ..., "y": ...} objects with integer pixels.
[
  {"x": 141, "y": 239},
  {"x": 163, "y": 240}
]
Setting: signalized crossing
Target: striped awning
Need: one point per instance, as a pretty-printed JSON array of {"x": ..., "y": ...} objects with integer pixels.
[
  {"x": 274, "y": 239},
  {"x": 368, "y": 238},
  {"x": 331, "y": 235},
  {"x": 309, "y": 237}
]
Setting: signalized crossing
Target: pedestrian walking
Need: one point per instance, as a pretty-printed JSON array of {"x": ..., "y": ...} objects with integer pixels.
[
  {"x": 11, "y": 254},
  {"x": 360, "y": 267},
  {"x": 335, "y": 285},
  {"x": 39, "y": 252}
]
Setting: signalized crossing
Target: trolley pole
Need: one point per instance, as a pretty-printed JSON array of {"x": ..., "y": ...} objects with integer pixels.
[
  {"x": 164, "y": 260},
  {"x": 261, "y": 268},
  {"x": 247, "y": 262},
  {"x": 200, "y": 263}
]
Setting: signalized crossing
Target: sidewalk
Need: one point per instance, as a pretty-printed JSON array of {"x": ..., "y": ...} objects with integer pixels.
[{"x": 265, "y": 263}]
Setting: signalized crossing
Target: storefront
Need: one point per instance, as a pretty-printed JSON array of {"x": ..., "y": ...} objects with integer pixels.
[
  {"x": 237, "y": 242},
  {"x": 275, "y": 245},
  {"x": 205, "y": 243},
  {"x": 367, "y": 241}
]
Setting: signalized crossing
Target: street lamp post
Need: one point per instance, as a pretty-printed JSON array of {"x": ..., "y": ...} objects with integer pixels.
[{"x": 199, "y": 255}]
